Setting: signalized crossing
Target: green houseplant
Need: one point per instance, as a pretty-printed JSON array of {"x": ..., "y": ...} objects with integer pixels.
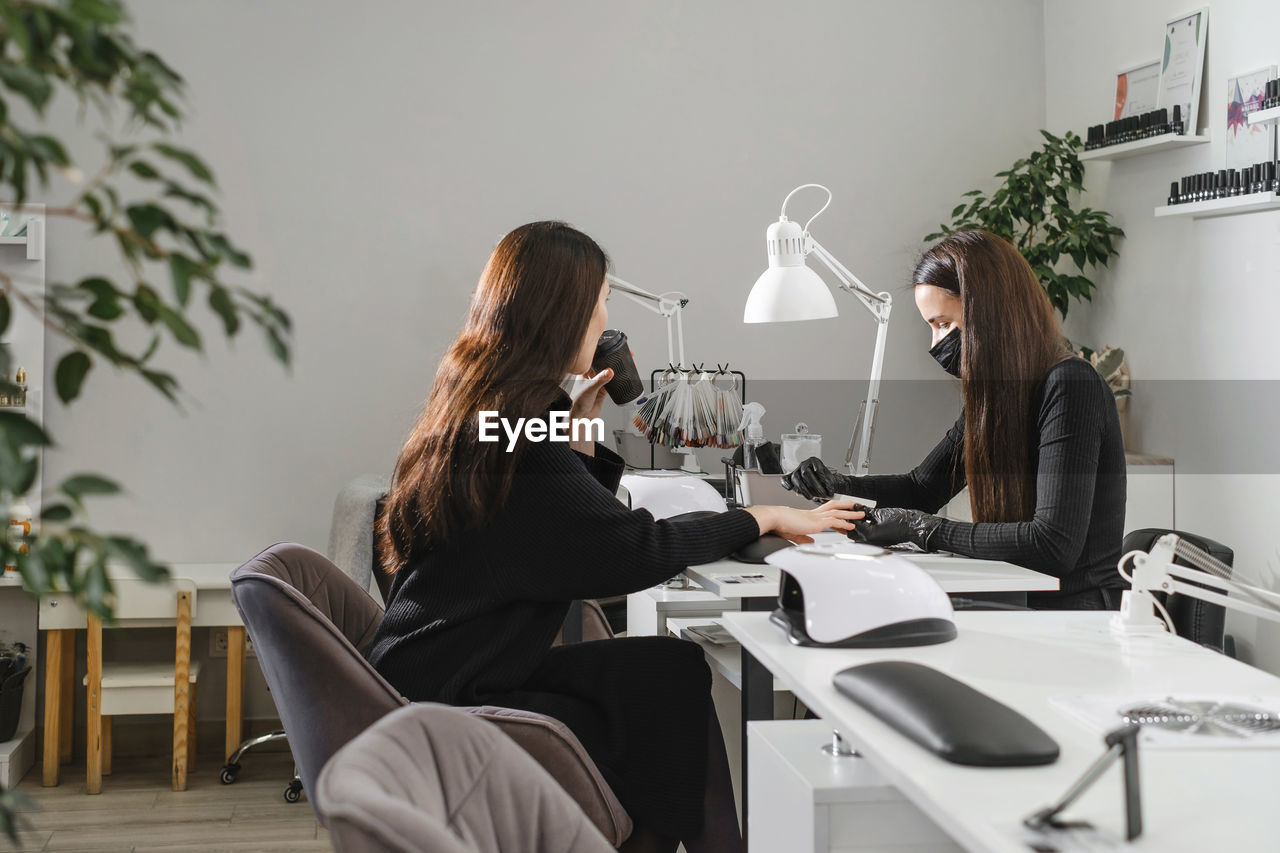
[
  {"x": 156, "y": 203},
  {"x": 1034, "y": 208}
]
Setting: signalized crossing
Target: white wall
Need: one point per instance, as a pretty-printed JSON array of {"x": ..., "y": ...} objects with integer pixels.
[
  {"x": 370, "y": 155},
  {"x": 1193, "y": 303}
]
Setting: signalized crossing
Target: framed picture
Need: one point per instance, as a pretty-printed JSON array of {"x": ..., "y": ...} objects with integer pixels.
[
  {"x": 1136, "y": 89},
  {"x": 1248, "y": 145},
  {"x": 1182, "y": 67}
]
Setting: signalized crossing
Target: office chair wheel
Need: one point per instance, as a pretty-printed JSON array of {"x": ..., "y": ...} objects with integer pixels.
[
  {"x": 293, "y": 793},
  {"x": 229, "y": 773}
]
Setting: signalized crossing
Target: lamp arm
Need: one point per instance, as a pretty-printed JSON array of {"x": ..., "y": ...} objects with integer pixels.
[
  {"x": 1157, "y": 572},
  {"x": 874, "y": 302},
  {"x": 1226, "y": 592},
  {"x": 670, "y": 309},
  {"x": 880, "y": 305}
]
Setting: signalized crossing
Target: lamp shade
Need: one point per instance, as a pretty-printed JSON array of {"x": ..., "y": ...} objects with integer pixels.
[{"x": 788, "y": 290}]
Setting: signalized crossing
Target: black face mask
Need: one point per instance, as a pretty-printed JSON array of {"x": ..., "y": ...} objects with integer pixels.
[{"x": 947, "y": 352}]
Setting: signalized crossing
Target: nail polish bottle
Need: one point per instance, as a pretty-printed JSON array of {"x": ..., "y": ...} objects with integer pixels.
[
  {"x": 1162, "y": 120},
  {"x": 1235, "y": 182},
  {"x": 1175, "y": 126},
  {"x": 1224, "y": 184},
  {"x": 1173, "y": 193}
]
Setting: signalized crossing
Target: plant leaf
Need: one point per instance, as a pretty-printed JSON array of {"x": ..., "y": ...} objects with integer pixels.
[
  {"x": 79, "y": 485},
  {"x": 188, "y": 159},
  {"x": 69, "y": 376}
]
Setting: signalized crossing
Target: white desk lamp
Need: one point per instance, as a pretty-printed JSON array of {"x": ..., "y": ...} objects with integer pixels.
[
  {"x": 670, "y": 306},
  {"x": 1209, "y": 581},
  {"x": 788, "y": 290}
]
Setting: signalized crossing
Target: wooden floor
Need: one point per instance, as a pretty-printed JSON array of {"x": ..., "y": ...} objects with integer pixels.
[{"x": 137, "y": 811}]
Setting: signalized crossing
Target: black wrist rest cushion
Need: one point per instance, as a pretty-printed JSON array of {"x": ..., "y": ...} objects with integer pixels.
[{"x": 945, "y": 716}]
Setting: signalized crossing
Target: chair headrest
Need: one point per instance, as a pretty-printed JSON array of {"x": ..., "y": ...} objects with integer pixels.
[{"x": 308, "y": 574}]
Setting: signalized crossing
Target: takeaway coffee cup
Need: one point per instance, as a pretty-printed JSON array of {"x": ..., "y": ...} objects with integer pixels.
[{"x": 613, "y": 352}]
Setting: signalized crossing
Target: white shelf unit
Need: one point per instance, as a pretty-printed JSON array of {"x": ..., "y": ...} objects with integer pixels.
[
  {"x": 34, "y": 238},
  {"x": 23, "y": 258},
  {"x": 1222, "y": 206},
  {"x": 1125, "y": 150},
  {"x": 1270, "y": 116}
]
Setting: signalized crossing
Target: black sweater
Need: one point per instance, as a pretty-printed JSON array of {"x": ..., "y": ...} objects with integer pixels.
[
  {"x": 1077, "y": 456},
  {"x": 477, "y": 616}
]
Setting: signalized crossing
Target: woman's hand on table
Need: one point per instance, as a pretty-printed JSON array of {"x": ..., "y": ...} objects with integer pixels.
[{"x": 796, "y": 524}]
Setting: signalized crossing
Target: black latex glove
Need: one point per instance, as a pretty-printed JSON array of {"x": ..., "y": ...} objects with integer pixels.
[
  {"x": 893, "y": 526},
  {"x": 812, "y": 479}
]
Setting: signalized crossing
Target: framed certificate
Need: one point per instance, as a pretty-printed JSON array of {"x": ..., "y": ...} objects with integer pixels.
[
  {"x": 1136, "y": 89},
  {"x": 1247, "y": 144},
  {"x": 1182, "y": 67}
]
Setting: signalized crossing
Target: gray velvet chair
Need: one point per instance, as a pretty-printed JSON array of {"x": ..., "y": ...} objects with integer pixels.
[
  {"x": 432, "y": 779},
  {"x": 309, "y": 624}
]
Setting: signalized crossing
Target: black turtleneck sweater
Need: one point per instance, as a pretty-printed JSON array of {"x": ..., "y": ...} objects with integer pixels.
[
  {"x": 471, "y": 622},
  {"x": 476, "y": 616},
  {"x": 1077, "y": 457}
]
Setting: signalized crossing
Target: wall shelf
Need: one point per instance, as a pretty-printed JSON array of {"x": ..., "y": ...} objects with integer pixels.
[
  {"x": 1125, "y": 150},
  {"x": 1264, "y": 116},
  {"x": 1222, "y": 206},
  {"x": 24, "y": 257},
  {"x": 34, "y": 238}
]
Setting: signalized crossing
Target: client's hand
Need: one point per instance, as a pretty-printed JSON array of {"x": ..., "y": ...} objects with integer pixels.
[
  {"x": 893, "y": 526},
  {"x": 796, "y": 524},
  {"x": 587, "y": 404},
  {"x": 812, "y": 479}
]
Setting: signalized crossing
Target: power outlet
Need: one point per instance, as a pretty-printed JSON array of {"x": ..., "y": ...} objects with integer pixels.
[{"x": 218, "y": 643}]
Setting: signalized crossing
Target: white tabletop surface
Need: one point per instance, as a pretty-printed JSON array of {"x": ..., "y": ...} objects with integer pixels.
[
  {"x": 1193, "y": 799},
  {"x": 214, "y": 606},
  {"x": 952, "y": 572},
  {"x": 725, "y": 659}
]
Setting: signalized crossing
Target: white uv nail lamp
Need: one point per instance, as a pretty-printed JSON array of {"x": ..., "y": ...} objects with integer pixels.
[{"x": 852, "y": 595}]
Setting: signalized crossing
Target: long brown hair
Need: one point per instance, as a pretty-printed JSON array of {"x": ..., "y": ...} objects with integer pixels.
[
  {"x": 1010, "y": 339},
  {"x": 523, "y": 331}
]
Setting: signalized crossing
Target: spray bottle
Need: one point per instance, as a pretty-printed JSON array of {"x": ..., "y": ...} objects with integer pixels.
[{"x": 754, "y": 435}]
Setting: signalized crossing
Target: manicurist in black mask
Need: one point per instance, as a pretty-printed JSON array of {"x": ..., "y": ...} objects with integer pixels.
[{"x": 1038, "y": 443}]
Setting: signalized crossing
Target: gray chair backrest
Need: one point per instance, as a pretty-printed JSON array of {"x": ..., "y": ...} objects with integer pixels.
[
  {"x": 433, "y": 778},
  {"x": 308, "y": 622}
]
